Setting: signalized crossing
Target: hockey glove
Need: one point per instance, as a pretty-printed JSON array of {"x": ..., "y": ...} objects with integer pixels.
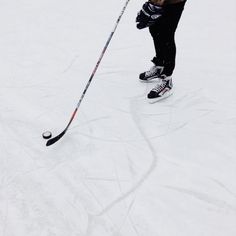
[{"x": 148, "y": 15}]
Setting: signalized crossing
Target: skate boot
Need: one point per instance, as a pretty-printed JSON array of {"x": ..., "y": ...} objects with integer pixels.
[
  {"x": 162, "y": 90},
  {"x": 151, "y": 74}
]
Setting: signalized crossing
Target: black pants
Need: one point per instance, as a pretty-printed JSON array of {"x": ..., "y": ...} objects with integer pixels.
[{"x": 163, "y": 34}]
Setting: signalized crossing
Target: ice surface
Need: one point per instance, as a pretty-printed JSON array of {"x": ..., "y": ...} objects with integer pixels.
[{"x": 125, "y": 167}]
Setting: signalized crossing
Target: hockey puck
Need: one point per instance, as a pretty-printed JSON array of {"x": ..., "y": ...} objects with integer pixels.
[{"x": 47, "y": 135}]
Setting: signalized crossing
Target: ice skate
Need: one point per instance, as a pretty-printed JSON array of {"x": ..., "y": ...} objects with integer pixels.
[
  {"x": 152, "y": 74},
  {"x": 163, "y": 89}
]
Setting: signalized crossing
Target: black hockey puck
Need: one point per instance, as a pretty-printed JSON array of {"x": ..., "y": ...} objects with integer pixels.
[{"x": 47, "y": 135}]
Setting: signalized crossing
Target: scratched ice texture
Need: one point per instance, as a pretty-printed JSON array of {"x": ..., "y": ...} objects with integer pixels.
[{"x": 125, "y": 167}]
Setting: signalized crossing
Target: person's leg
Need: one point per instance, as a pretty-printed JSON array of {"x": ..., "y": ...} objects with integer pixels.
[
  {"x": 172, "y": 17},
  {"x": 163, "y": 33},
  {"x": 156, "y": 31}
]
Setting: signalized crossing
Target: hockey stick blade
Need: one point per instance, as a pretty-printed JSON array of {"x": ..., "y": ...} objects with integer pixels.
[{"x": 55, "y": 139}]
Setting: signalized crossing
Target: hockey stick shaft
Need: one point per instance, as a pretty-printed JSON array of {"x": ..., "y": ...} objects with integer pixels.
[{"x": 56, "y": 138}]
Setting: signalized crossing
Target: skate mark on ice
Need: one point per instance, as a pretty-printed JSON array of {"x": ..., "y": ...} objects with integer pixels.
[
  {"x": 203, "y": 197},
  {"x": 95, "y": 179},
  {"x": 88, "y": 122},
  {"x": 135, "y": 115},
  {"x": 198, "y": 109},
  {"x": 134, "y": 140},
  {"x": 71, "y": 64},
  {"x": 127, "y": 215},
  {"x": 96, "y": 200},
  {"x": 221, "y": 185},
  {"x": 111, "y": 71}
]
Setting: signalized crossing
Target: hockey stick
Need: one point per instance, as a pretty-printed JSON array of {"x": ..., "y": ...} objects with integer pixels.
[{"x": 59, "y": 136}]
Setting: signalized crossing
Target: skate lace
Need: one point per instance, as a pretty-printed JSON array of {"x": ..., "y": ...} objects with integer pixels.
[{"x": 160, "y": 86}]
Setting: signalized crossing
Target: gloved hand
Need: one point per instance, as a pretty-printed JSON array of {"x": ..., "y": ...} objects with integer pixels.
[{"x": 148, "y": 15}]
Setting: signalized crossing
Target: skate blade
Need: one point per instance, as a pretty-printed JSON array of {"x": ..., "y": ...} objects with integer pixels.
[{"x": 166, "y": 95}]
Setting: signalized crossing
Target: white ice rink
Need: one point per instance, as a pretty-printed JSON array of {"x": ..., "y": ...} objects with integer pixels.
[{"x": 125, "y": 167}]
